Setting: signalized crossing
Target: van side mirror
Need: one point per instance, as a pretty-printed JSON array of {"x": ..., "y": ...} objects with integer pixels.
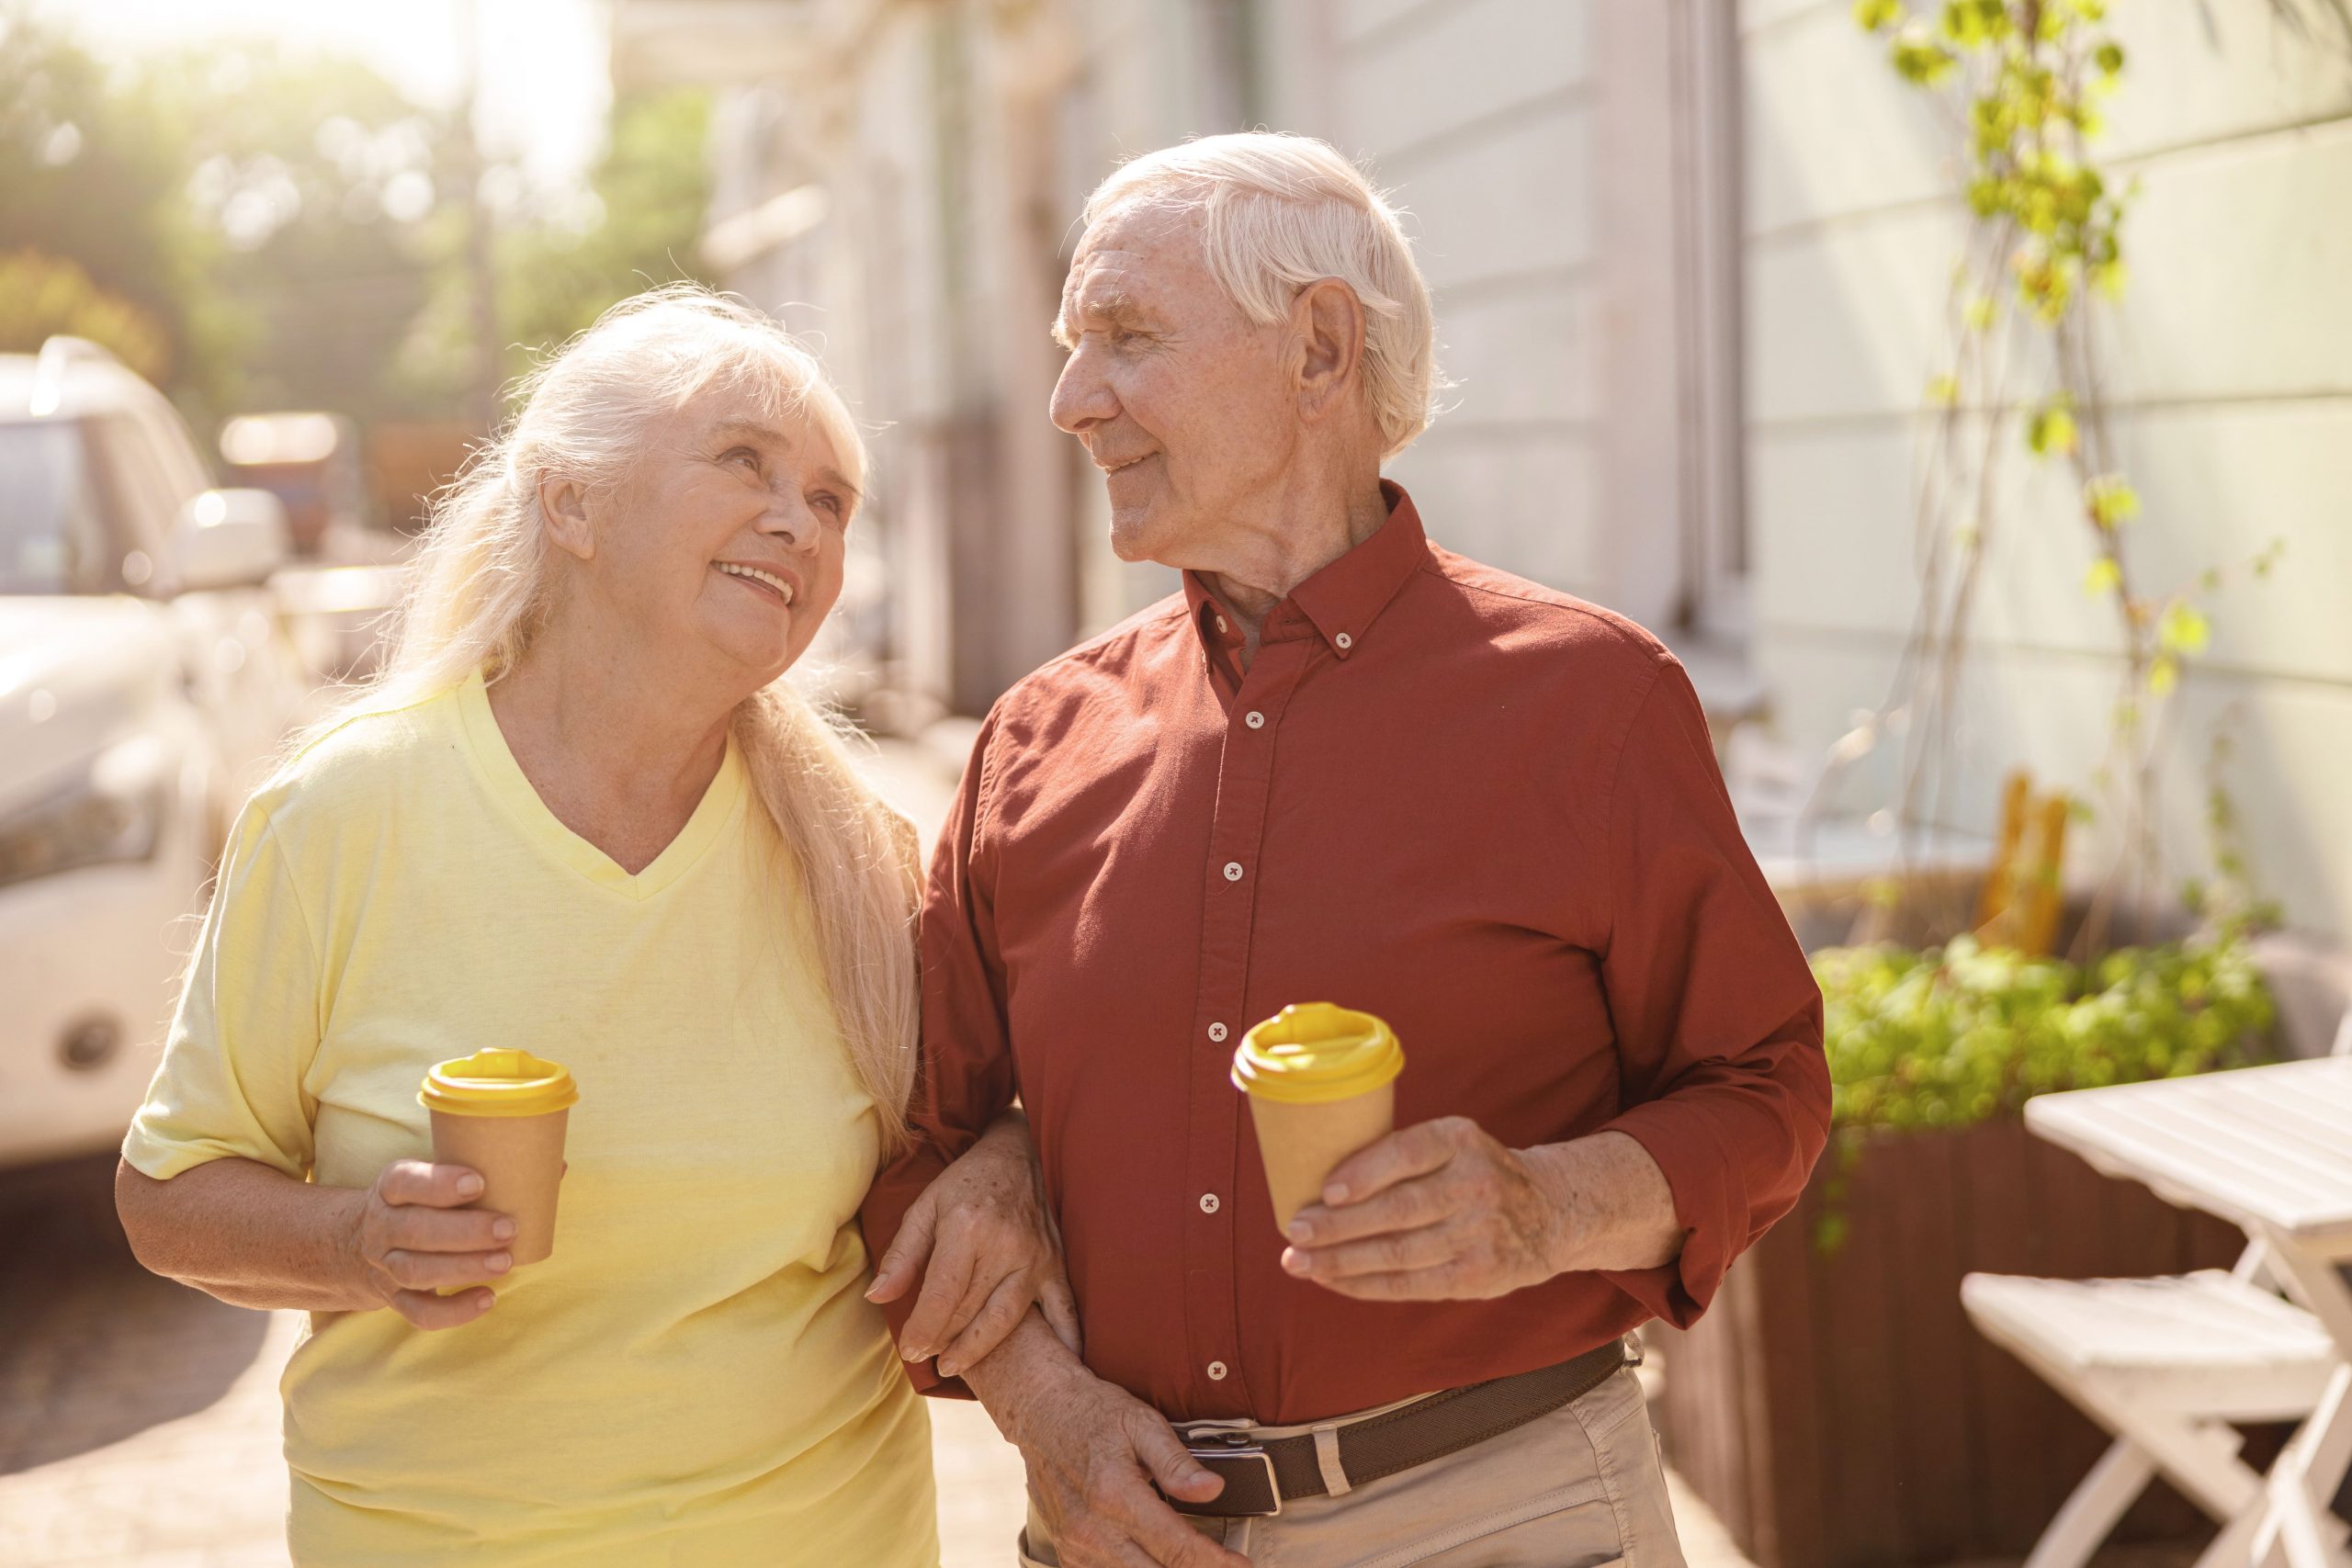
[{"x": 229, "y": 539}]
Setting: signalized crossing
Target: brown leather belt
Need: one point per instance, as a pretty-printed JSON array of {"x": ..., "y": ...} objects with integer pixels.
[{"x": 1261, "y": 1475}]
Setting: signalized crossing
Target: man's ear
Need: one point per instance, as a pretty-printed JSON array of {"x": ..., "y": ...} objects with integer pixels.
[
  {"x": 1327, "y": 318},
  {"x": 564, "y": 504}
]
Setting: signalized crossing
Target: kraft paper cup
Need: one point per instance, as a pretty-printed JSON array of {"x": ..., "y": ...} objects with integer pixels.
[
  {"x": 503, "y": 1114},
  {"x": 1322, "y": 1084}
]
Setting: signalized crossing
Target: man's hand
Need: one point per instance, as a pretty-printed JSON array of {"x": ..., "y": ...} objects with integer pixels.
[
  {"x": 1434, "y": 1211},
  {"x": 992, "y": 1249},
  {"x": 1442, "y": 1212},
  {"x": 410, "y": 1235},
  {"x": 1094, "y": 1453}
]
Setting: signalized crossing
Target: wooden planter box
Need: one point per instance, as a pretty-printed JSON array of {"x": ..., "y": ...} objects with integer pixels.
[{"x": 1838, "y": 1411}]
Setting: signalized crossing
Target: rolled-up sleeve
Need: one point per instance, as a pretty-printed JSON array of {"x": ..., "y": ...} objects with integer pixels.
[
  {"x": 230, "y": 1083},
  {"x": 967, "y": 1079},
  {"x": 1717, "y": 1017}
]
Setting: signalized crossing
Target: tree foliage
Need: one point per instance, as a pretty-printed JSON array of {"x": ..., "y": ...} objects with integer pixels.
[
  {"x": 316, "y": 183},
  {"x": 43, "y": 296},
  {"x": 648, "y": 198},
  {"x": 256, "y": 228},
  {"x": 88, "y": 180}
]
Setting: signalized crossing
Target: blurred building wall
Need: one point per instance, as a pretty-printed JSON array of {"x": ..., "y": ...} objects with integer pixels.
[
  {"x": 953, "y": 142},
  {"x": 2231, "y": 367},
  {"x": 1690, "y": 259},
  {"x": 1570, "y": 170}
]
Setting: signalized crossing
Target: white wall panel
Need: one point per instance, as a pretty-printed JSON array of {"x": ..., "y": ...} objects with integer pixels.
[
  {"x": 1521, "y": 502},
  {"x": 1832, "y": 510},
  {"x": 2238, "y": 257},
  {"x": 1521, "y": 354},
  {"x": 1475, "y": 58},
  {"x": 1513, "y": 202},
  {"x": 1818, "y": 149},
  {"x": 2287, "y": 739}
]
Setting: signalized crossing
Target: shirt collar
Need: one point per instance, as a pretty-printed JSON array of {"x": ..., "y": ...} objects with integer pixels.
[{"x": 1340, "y": 603}]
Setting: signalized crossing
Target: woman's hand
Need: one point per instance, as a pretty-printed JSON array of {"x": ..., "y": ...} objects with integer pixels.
[
  {"x": 991, "y": 1250},
  {"x": 409, "y": 1236}
]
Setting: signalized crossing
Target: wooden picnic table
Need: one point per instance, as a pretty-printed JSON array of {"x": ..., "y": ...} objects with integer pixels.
[{"x": 2270, "y": 1150}]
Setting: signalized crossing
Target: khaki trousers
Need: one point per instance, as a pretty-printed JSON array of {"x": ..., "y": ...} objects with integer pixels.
[{"x": 1578, "y": 1488}]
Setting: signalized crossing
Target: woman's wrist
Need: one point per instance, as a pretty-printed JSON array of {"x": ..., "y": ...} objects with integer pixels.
[{"x": 344, "y": 1228}]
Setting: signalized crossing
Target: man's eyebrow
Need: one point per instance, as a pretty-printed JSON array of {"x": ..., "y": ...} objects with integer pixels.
[{"x": 1110, "y": 302}]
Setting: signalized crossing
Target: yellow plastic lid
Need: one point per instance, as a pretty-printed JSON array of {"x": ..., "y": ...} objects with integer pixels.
[
  {"x": 1313, "y": 1053},
  {"x": 498, "y": 1083}
]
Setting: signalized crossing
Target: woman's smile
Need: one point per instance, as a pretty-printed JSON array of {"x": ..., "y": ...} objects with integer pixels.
[{"x": 783, "y": 586}]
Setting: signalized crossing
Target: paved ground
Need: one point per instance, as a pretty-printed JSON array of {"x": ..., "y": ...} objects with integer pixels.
[{"x": 139, "y": 1420}]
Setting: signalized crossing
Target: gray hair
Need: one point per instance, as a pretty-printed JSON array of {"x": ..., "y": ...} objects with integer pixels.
[{"x": 1278, "y": 212}]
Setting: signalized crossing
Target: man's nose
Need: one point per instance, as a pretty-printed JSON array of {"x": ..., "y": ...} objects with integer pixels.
[{"x": 1082, "y": 397}]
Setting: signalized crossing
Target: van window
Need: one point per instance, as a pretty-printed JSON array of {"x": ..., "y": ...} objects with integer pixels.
[
  {"x": 143, "y": 492},
  {"x": 53, "y": 536}
]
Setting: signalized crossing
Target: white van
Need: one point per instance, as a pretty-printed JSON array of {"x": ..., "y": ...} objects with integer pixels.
[{"x": 146, "y": 679}]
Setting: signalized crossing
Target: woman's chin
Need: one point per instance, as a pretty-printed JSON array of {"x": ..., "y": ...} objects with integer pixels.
[{"x": 763, "y": 652}]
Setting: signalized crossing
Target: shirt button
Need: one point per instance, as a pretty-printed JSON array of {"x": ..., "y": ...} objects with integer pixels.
[
  {"x": 1208, "y": 1203},
  {"x": 1216, "y": 1032},
  {"x": 1255, "y": 720},
  {"x": 1217, "y": 1371},
  {"x": 1345, "y": 641},
  {"x": 1233, "y": 871}
]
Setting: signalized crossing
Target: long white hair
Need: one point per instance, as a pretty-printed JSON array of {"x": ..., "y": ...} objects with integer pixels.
[{"x": 480, "y": 592}]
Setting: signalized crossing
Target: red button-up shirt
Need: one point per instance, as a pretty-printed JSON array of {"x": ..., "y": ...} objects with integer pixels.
[{"x": 1484, "y": 810}]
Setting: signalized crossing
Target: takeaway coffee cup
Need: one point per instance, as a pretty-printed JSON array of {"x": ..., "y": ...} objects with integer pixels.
[
  {"x": 1321, "y": 1082},
  {"x": 501, "y": 1113}
]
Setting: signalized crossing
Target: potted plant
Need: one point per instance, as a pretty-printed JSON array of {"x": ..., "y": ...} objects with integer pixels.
[{"x": 1835, "y": 1406}]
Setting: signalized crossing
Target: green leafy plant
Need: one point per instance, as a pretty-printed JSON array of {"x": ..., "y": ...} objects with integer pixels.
[
  {"x": 1963, "y": 1034},
  {"x": 1959, "y": 1035}
]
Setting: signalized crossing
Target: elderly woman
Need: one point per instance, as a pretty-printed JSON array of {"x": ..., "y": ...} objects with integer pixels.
[{"x": 581, "y": 814}]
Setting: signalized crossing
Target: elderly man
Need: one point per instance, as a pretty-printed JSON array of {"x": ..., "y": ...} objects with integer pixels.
[{"x": 1341, "y": 764}]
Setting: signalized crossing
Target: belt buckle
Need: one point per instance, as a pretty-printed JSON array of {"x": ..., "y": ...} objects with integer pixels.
[{"x": 1231, "y": 1457}]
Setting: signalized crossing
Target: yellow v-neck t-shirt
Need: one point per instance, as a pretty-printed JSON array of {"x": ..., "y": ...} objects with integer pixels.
[{"x": 694, "y": 1378}]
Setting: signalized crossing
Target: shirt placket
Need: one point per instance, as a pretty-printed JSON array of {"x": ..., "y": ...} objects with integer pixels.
[{"x": 1237, "y": 832}]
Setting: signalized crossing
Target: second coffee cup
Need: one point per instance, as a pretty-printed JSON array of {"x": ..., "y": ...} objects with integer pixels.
[
  {"x": 1321, "y": 1081},
  {"x": 502, "y": 1114}
]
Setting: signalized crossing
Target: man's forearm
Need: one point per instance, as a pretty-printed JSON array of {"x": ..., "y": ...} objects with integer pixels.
[
  {"x": 1616, "y": 1208},
  {"x": 1021, "y": 1374}
]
